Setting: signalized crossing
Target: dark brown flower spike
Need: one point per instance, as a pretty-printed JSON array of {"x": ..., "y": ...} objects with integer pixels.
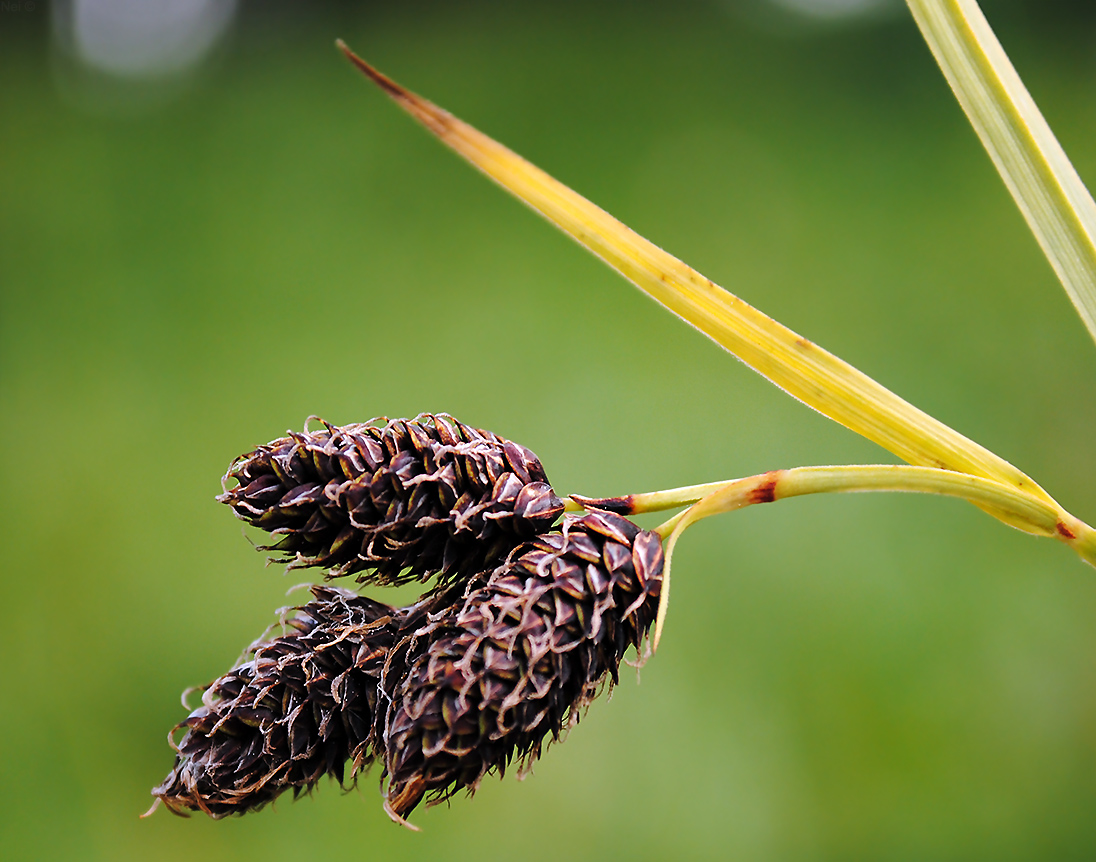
[
  {"x": 394, "y": 501},
  {"x": 300, "y": 708},
  {"x": 483, "y": 683}
]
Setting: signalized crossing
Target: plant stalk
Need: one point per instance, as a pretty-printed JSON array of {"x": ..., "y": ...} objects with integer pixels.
[{"x": 1028, "y": 513}]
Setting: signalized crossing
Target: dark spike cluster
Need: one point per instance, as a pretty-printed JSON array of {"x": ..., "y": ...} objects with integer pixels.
[
  {"x": 394, "y": 501},
  {"x": 484, "y": 682},
  {"x": 524, "y": 627},
  {"x": 299, "y": 708}
]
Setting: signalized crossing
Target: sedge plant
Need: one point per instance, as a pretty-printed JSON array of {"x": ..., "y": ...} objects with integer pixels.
[{"x": 528, "y": 618}]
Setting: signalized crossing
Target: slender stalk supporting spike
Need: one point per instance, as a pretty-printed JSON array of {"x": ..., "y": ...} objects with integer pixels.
[
  {"x": 638, "y": 504},
  {"x": 1028, "y": 513}
]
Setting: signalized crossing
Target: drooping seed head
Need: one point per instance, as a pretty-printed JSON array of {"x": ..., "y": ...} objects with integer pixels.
[
  {"x": 518, "y": 659},
  {"x": 394, "y": 501},
  {"x": 299, "y": 708}
]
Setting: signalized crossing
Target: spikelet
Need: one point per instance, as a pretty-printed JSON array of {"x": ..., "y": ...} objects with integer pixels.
[
  {"x": 300, "y": 708},
  {"x": 485, "y": 681},
  {"x": 396, "y": 501}
]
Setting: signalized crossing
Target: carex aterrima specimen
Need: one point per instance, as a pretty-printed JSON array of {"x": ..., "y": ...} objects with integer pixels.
[
  {"x": 475, "y": 675},
  {"x": 518, "y": 657},
  {"x": 300, "y": 708},
  {"x": 394, "y": 501}
]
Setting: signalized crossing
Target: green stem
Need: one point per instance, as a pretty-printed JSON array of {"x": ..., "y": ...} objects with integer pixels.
[
  {"x": 638, "y": 504},
  {"x": 1027, "y": 513}
]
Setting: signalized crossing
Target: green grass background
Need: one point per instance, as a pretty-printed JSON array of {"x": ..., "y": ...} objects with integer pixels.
[{"x": 869, "y": 677}]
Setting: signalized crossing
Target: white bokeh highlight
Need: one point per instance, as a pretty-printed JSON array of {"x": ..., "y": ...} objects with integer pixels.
[
  {"x": 143, "y": 38},
  {"x": 832, "y": 8}
]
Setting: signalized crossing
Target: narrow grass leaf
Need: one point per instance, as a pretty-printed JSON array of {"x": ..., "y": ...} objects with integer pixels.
[{"x": 1058, "y": 208}]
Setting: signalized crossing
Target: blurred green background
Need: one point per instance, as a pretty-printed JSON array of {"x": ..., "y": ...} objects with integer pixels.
[{"x": 190, "y": 264}]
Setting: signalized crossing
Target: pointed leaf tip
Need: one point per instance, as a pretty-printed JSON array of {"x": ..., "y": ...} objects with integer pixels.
[{"x": 381, "y": 80}]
